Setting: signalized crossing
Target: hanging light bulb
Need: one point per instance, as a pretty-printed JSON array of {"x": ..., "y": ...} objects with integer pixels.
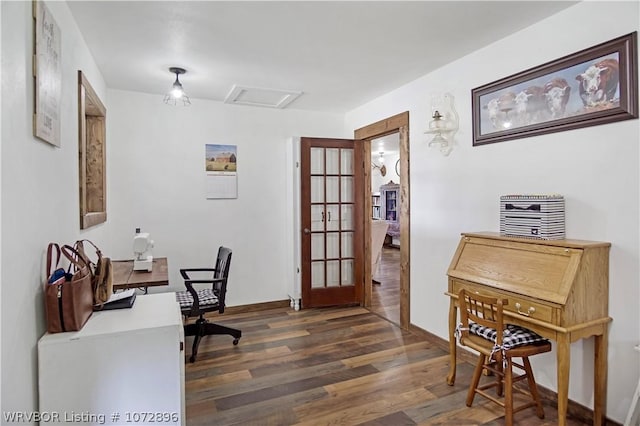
[
  {"x": 177, "y": 90},
  {"x": 177, "y": 94}
]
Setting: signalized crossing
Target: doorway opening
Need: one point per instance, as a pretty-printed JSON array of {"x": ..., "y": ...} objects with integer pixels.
[
  {"x": 397, "y": 124},
  {"x": 385, "y": 227}
]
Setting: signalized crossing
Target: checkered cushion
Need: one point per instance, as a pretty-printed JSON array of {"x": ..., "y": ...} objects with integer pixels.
[
  {"x": 205, "y": 296},
  {"x": 512, "y": 336}
]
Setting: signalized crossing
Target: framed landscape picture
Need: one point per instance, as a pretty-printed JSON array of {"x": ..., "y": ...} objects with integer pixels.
[{"x": 595, "y": 86}]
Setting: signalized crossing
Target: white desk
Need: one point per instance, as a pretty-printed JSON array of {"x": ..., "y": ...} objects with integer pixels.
[{"x": 125, "y": 361}]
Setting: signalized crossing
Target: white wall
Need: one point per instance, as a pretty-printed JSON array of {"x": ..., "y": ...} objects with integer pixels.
[
  {"x": 155, "y": 162},
  {"x": 156, "y": 182},
  {"x": 2, "y": 85},
  {"x": 39, "y": 190},
  {"x": 596, "y": 169}
]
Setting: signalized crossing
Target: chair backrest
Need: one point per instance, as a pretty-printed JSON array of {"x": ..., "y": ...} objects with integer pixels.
[
  {"x": 483, "y": 310},
  {"x": 223, "y": 263}
]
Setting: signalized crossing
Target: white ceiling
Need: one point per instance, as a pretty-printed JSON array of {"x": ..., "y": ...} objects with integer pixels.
[
  {"x": 339, "y": 54},
  {"x": 389, "y": 145}
]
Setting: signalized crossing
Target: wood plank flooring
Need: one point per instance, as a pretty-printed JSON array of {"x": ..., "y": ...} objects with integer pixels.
[
  {"x": 385, "y": 297},
  {"x": 331, "y": 366}
]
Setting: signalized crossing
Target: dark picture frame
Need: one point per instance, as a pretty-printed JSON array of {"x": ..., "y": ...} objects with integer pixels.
[{"x": 594, "y": 86}]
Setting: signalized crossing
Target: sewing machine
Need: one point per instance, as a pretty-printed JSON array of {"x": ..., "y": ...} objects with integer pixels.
[{"x": 142, "y": 246}]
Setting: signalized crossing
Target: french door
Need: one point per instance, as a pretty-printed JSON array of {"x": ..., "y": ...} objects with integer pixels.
[{"x": 331, "y": 197}]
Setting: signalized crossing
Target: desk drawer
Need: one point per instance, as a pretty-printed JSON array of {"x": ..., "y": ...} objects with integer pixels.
[{"x": 519, "y": 305}]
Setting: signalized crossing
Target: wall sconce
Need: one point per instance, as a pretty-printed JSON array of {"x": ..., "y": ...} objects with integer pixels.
[
  {"x": 381, "y": 167},
  {"x": 444, "y": 123},
  {"x": 177, "y": 94}
]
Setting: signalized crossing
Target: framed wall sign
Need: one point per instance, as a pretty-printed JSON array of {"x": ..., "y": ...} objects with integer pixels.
[
  {"x": 595, "y": 86},
  {"x": 47, "y": 72}
]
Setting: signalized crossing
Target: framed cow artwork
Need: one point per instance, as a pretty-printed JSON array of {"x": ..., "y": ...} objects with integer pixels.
[{"x": 595, "y": 86}]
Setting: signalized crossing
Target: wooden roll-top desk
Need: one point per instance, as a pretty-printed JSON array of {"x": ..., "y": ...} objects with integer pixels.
[{"x": 557, "y": 288}]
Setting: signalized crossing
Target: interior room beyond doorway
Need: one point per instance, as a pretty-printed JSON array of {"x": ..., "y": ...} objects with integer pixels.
[
  {"x": 385, "y": 184},
  {"x": 385, "y": 205}
]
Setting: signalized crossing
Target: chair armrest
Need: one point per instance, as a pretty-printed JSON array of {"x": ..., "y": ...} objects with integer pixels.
[
  {"x": 195, "y": 307},
  {"x": 212, "y": 281},
  {"x": 184, "y": 271}
]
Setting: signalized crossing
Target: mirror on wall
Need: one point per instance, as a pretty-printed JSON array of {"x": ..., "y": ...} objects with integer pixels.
[{"x": 92, "y": 155}]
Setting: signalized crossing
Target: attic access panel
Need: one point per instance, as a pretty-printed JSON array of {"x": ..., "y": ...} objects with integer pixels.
[{"x": 254, "y": 96}]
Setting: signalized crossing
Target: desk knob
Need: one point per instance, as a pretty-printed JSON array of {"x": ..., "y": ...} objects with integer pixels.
[{"x": 530, "y": 311}]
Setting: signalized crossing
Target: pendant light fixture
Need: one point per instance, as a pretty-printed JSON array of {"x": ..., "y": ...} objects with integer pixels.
[{"x": 177, "y": 95}]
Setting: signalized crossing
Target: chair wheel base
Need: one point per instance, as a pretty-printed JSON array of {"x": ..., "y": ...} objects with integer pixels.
[{"x": 235, "y": 341}]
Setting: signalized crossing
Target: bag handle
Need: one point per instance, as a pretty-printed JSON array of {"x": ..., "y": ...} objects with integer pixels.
[
  {"x": 535, "y": 207},
  {"x": 74, "y": 257},
  {"x": 50, "y": 249},
  {"x": 90, "y": 242},
  {"x": 80, "y": 248}
]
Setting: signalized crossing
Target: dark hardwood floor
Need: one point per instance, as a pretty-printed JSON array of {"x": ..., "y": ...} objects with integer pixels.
[{"x": 340, "y": 366}]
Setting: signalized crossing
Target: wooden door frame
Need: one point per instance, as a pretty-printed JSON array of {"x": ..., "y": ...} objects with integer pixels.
[{"x": 396, "y": 124}]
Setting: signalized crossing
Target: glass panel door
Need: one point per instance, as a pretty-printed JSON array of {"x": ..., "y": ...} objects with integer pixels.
[
  {"x": 331, "y": 217},
  {"x": 332, "y": 243}
]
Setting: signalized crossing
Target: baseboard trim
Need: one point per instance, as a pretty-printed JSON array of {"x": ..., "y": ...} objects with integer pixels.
[
  {"x": 254, "y": 307},
  {"x": 579, "y": 411}
]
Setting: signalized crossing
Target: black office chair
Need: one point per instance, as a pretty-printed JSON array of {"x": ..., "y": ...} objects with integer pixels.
[{"x": 196, "y": 303}]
